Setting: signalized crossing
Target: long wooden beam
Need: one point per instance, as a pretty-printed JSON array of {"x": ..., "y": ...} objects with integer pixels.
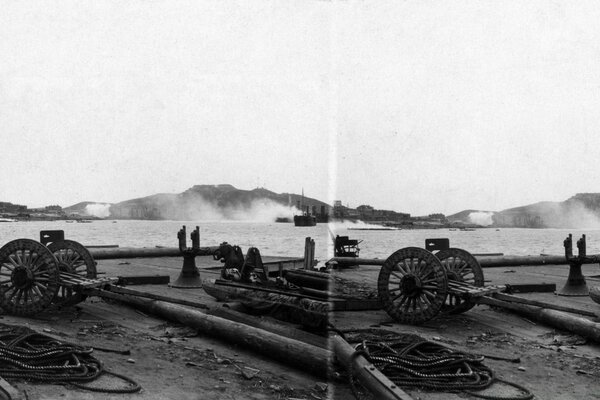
[
  {"x": 149, "y": 252},
  {"x": 516, "y": 299},
  {"x": 306, "y": 357},
  {"x": 485, "y": 261},
  {"x": 558, "y": 319},
  {"x": 367, "y": 373}
]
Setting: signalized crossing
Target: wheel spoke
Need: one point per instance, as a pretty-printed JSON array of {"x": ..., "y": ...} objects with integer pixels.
[
  {"x": 37, "y": 290},
  {"x": 14, "y": 292},
  {"x": 424, "y": 299},
  {"x": 429, "y": 287},
  {"x": 396, "y": 297},
  {"x": 9, "y": 267},
  {"x": 401, "y": 301}
]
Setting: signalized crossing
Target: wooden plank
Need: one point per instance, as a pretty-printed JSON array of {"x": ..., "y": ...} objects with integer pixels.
[
  {"x": 371, "y": 378},
  {"x": 120, "y": 293},
  {"x": 306, "y": 357},
  {"x": 556, "y": 318},
  {"x": 144, "y": 280},
  {"x": 9, "y": 392},
  {"x": 516, "y": 299},
  {"x": 279, "y": 328},
  {"x": 531, "y": 287}
]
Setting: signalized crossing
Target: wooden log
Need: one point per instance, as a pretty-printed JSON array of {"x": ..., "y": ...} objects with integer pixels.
[
  {"x": 367, "y": 373},
  {"x": 311, "y": 279},
  {"x": 144, "y": 280},
  {"x": 121, "y": 293},
  {"x": 278, "y": 327},
  {"x": 516, "y": 261},
  {"x": 146, "y": 252},
  {"x": 485, "y": 261},
  {"x": 557, "y": 319},
  {"x": 531, "y": 288},
  {"x": 292, "y": 307},
  {"x": 9, "y": 392},
  {"x": 521, "y": 300},
  {"x": 304, "y": 356}
]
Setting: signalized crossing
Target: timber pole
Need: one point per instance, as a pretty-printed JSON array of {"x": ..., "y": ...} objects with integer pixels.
[
  {"x": 306, "y": 357},
  {"x": 148, "y": 252},
  {"x": 368, "y": 375},
  {"x": 558, "y": 319},
  {"x": 485, "y": 261}
]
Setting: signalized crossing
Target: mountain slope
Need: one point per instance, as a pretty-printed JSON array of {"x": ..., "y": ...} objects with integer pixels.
[{"x": 215, "y": 202}]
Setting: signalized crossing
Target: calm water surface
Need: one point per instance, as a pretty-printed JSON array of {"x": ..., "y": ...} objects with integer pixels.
[{"x": 287, "y": 240}]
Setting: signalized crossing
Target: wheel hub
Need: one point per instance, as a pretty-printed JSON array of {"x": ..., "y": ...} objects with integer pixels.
[
  {"x": 64, "y": 267},
  {"x": 453, "y": 276},
  {"x": 410, "y": 285},
  {"x": 22, "y": 277}
]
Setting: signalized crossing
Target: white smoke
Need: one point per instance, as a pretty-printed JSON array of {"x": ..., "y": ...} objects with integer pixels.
[
  {"x": 98, "y": 210},
  {"x": 574, "y": 215},
  {"x": 260, "y": 210},
  {"x": 345, "y": 224},
  {"x": 483, "y": 218}
]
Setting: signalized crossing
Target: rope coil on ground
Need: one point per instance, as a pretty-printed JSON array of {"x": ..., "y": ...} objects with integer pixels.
[
  {"x": 411, "y": 362},
  {"x": 28, "y": 355}
]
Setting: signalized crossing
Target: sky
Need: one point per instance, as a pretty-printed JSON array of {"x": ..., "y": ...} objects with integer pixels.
[{"x": 414, "y": 106}]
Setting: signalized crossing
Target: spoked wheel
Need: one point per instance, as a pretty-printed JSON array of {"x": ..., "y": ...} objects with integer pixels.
[
  {"x": 29, "y": 277},
  {"x": 460, "y": 266},
  {"x": 75, "y": 259},
  {"x": 412, "y": 285}
]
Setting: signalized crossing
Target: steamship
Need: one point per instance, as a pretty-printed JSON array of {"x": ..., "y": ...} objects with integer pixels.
[{"x": 306, "y": 218}]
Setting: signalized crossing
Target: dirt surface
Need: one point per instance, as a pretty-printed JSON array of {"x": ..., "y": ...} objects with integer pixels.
[
  {"x": 169, "y": 361},
  {"x": 552, "y": 365}
]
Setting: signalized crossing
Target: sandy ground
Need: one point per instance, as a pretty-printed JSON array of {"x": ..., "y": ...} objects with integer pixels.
[{"x": 171, "y": 361}]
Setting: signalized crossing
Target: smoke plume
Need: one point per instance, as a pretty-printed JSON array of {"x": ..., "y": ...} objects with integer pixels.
[
  {"x": 98, "y": 210},
  {"x": 483, "y": 218}
]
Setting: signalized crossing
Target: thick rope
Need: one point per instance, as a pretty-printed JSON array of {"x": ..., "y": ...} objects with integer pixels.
[
  {"x": 411, "y": 362},
  {"x": 27, "y": 355}
]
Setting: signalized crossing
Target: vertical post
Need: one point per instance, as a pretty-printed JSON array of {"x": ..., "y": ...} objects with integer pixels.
[
  {"x": 309, "y": 253},
  {"x": 195, "y": 238},
  {"x": 306, "y": 251},
  {"x": 568, "y": 243},
  {"x": 181, "y": 237},
  {"x": 581, "y": 246},
  {"x": 312, "y": 254}
]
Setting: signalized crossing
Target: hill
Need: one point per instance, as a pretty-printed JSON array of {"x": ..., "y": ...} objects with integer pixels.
[
  {"x": 579, "y": 211},
  {"x": 215, "y": 202}
]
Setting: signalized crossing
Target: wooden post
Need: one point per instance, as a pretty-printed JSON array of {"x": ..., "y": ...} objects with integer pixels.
[
  {"x": 486, "y": 262},
  {"x": 290, "y": 351},
  {"x": 557, "y": 319},
  {"x": 309, "y": 254},
  {"x": 367, "y": 373},
  {"x": 130, "y": 252}
]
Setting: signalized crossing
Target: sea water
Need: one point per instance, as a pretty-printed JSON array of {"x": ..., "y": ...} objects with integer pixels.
[{"x": 285, "y": 239}]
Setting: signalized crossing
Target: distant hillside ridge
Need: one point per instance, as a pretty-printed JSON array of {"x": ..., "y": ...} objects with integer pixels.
[
  {"x": 216, "y": 202},
  {"x": 579, "y": 211}
]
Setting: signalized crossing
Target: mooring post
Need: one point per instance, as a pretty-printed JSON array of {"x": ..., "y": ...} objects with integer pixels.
[
  {"x": 576, "y": 285},
  {"x": 189, "y": 277}
]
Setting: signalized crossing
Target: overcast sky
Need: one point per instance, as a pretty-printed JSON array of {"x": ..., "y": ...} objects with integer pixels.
[{"x": 414, "y": 106}]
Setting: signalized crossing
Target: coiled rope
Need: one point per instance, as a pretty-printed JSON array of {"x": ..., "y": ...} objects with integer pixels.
[
  {"x": 411, "y": 362},
  {"x": 28, "y": 355}
]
